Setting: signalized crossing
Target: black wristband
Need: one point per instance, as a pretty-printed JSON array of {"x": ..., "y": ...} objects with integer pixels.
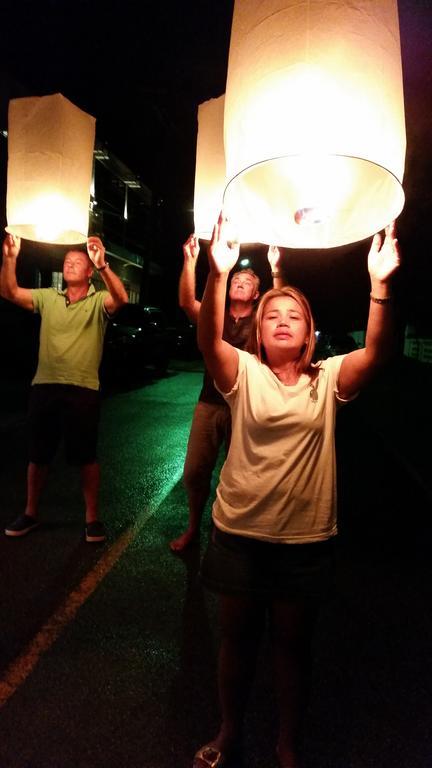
[{"x": 104, "y": 266}]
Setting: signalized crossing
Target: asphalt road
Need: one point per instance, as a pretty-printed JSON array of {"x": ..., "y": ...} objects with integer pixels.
[{"x": 107, "y": 653}]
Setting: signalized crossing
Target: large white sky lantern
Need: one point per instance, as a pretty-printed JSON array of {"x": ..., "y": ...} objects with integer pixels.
[
  {"x": 210, "y": 176},
  {"x": 314, "y": 120},
  {"x": 50, "y": 148}
]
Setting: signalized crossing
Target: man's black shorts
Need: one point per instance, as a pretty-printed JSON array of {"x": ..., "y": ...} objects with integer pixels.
[{"x": 65, "y": 411}]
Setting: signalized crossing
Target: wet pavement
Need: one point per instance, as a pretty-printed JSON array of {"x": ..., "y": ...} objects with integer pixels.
[{"x": 108, "y": 653}]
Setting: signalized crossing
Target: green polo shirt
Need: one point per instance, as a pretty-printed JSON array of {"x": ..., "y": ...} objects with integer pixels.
[{"x": 71, "y": 337}]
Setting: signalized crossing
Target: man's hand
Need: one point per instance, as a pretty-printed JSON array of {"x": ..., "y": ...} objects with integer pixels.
[
  {"x": 11, "y": 246},
  {"x": 274, "y": 258},
  {"x": 96, "y": 251},
  {"x": 9, "y": 287},
  {"x": 223, "y": 253},
  {"x": 191, "y": 248},
  {"x": 384, "y": 257}
]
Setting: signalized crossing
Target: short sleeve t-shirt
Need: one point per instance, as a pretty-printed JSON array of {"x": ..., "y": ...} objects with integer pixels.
[
  {"x": 71, "y": 337},
  {"x": 278, "y": 482}
]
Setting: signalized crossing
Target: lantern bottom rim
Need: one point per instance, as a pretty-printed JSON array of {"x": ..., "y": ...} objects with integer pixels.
[
  {"x": 29, "y": 232},
  {"x": 316, "y": 201}
]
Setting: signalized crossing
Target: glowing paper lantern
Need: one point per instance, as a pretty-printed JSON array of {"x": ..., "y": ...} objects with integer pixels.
[
  {"x": 50, "y": 146},
  {"x": 210, "y": 177},
  {"x": 210, "y": 173},
  {"x": 314, "y": 120}
]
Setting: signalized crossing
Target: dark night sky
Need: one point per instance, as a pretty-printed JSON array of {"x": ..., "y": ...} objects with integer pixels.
[{"x": 141, "y": 68}]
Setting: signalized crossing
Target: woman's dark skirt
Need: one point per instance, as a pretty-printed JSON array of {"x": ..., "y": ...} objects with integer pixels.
[{"x": 239, "y": 565}]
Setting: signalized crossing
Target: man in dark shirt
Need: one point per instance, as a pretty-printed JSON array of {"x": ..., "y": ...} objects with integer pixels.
[{"x": 211, "y": 424}]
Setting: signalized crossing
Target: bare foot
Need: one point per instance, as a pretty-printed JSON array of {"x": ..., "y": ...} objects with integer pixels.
[
  {"x": 287, "y": 758},
  {"x": 183, "y": 541}
]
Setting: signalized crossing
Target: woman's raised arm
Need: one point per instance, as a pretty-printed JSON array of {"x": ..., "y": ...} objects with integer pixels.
[{"x": 359, "y": 366}]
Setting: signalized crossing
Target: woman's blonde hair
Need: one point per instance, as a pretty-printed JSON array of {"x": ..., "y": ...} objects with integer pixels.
[{"x": 255, "y": 345}]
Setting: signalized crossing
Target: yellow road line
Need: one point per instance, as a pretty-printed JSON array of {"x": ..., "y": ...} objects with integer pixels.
[{"x": 18, "y": 671}]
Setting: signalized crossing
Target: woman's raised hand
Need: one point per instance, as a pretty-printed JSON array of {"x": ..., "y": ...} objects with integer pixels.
[
  {"x": 274, "y": 257},
  {"x": 223, "y": 251},
  {"x": 384, "y": 256}
]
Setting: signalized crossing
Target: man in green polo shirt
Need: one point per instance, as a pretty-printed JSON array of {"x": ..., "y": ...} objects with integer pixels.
[{"x": 64, "y": 400}]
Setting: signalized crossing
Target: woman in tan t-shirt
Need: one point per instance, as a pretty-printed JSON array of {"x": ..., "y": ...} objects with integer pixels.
[{"x": 274, "y": 514}]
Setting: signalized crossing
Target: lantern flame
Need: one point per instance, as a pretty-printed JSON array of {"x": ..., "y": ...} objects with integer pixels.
[{"x": 50, "y": 215}]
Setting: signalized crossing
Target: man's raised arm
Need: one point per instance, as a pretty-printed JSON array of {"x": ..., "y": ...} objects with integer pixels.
[
  {"x": 118, "y": 295},
  {"x": 187, "y": 284},
  {"x": 9, "y": 287}
]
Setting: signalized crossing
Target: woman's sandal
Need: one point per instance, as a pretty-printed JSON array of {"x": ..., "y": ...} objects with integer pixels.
[{"x": 210, "y": 756}]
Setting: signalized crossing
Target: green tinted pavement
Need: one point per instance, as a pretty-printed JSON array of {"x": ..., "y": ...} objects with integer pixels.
[{"x": 123, "y": 672}]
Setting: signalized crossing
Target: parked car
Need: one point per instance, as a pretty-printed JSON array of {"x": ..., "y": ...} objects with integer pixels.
[
  {"x": 330, "y": 344},
  {"x": 185, "y": 341},
  {"x": 137, "y": 337}
]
